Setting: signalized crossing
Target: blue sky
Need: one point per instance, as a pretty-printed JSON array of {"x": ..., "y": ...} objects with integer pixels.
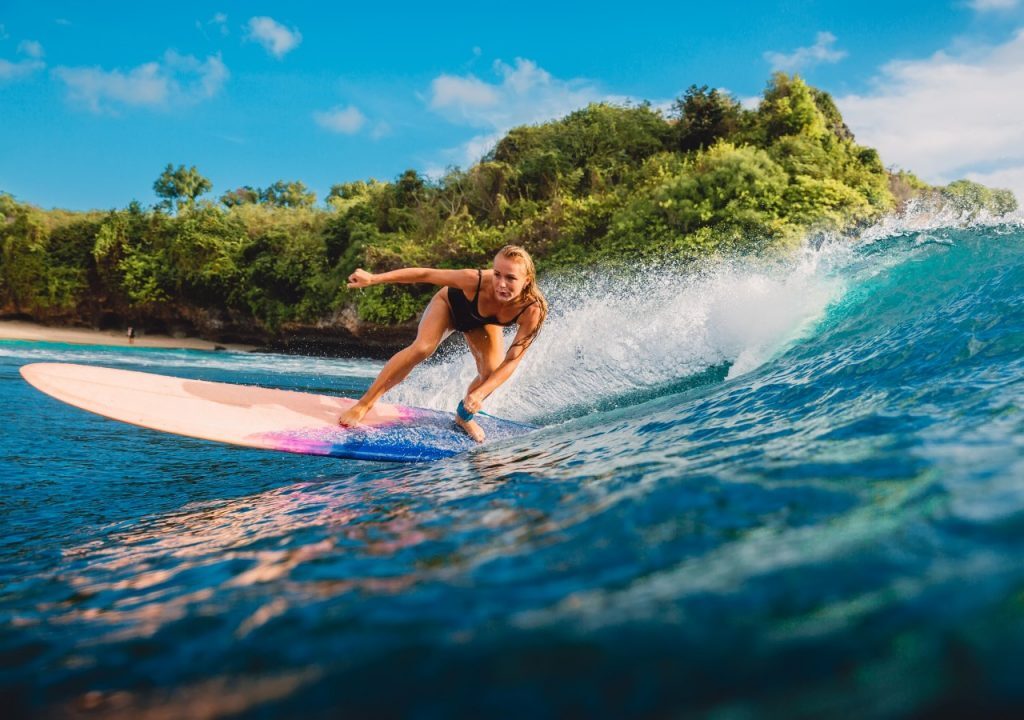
[{"x": 95, "y": 99}]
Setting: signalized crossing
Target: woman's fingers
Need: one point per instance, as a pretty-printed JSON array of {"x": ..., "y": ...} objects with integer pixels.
[{"x": 360, "y": 278}]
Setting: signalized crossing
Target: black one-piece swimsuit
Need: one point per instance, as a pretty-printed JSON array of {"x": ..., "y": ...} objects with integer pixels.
[{"x": 465, "y": 313}]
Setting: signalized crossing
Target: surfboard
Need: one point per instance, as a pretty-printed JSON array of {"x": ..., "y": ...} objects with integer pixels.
[{"x": 260, "y": 417}]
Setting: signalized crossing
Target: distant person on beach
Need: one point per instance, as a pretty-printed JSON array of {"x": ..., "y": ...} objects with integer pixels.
[
  {"x": 131, "y": 335},
  {"x": 477, "y": 303}
]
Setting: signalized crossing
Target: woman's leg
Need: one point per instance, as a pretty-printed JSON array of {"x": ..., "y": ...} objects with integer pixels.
[
  {"x": 434, "y": 325},
  {"x": 488, "y": 348}
]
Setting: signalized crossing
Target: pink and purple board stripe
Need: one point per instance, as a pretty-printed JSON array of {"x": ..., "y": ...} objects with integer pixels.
[{"x": 417, "y": 435}]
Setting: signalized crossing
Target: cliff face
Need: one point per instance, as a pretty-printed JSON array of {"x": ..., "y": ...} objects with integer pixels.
[
  {"x": 377, "y": 342},
  {"x": 339, "y": 339}
]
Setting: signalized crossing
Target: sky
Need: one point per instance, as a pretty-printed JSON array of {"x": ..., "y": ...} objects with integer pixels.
[{"x": 97, "y": 98}]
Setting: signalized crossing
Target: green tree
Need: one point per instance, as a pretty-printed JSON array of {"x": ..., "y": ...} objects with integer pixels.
[
  {"x": 704, "y": 116},
  {"x": 288, "y": 194},
  {"x": 180, "y": 187},
  {"x": 726, "y": 185},
  {"x": 789, "y": 107},
  {"x": 481, "y": 190},
  {"x": 201, "y": 251},
  {"x": 725, "y": 196},
  {"x": 833, "y": 118},
  {"x": 1003, "y": 201},
  {"x": 409, "y": 188},
  {"x": 282, "y": 268},
  {"x": 587, "y": 151},
  {"x": 132, "y": 262},
  {"x": 972, "y": 198},
  {"x": 244, "y": 195},
  {"x": 22, "y": 254},
  {"x": 345, "y": 195}
]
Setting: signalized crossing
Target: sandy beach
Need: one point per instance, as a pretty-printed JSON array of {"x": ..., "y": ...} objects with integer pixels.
[{"x": 22, "y": 330}]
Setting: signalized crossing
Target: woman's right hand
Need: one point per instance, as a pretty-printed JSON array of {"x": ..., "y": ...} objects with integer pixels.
[{"x": 360, "y": 279}]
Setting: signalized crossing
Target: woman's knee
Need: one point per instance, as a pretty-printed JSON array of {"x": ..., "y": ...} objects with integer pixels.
[{"x": 421, "y": 349}]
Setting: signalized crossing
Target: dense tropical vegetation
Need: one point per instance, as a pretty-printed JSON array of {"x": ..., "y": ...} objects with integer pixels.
[{"x": 605, "y": 184}]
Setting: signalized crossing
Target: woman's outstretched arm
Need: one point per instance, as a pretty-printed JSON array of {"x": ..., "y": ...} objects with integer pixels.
[{"x": 462, "y": 279}]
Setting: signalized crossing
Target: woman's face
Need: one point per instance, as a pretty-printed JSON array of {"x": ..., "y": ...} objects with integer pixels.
[{"x": 509, "y": 278}]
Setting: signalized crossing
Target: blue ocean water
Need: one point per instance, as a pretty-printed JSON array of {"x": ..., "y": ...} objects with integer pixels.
[{"x": 786, "y": 488}]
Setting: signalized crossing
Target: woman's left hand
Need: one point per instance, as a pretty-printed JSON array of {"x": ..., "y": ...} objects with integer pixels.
[
  {"x": 472, "y": 403},
  {"x": 360, "y": 279}
]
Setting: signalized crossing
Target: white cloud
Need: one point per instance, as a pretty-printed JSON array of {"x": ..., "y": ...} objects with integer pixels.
[
  {"x": 986, "y": 5},
  {"x": 1012, "y": 177},
  {"x": 174, "y": 81},
  {"x": 434, "y": 172},
  {"x": 347, "y": 121},
  {"x": 461, "y": 92},
  {"x": 948, "y": 116},
  {"x": 822, "y": 51},
  {"x": 204, "y": 79},
  {"x": 31, "y": 48},
  {"x": 18, "y": 70},
  {"x": 480, "y": 145},
  {"x": 143, "y": 85},
  {"x": 751, "y": 102},
  {"x": 219, "y": 21},
  {"x": 523, "y": 94},
  {"x": 275, "y": 38},
  {"x": 524, "y": 77}
]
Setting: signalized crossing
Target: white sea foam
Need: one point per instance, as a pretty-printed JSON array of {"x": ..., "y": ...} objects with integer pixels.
[{"x": 929, "y": 215}]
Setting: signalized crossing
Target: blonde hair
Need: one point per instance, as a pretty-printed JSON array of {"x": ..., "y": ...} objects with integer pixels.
[{"x": 530, "y": 290}]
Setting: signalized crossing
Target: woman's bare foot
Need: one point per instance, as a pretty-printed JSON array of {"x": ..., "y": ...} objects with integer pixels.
[
  {"x": 472, "y": 429},
  {"x": 353, "y": 417}
]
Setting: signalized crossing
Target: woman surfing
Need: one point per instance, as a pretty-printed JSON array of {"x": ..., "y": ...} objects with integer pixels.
[{"x": 477, "y": 303}]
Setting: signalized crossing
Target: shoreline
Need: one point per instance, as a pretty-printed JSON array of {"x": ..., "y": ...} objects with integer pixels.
[{"x": 34, "y": 332}]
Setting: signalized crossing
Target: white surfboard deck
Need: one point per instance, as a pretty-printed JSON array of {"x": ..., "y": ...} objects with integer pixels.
[{"x": 259, "y": 417}]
